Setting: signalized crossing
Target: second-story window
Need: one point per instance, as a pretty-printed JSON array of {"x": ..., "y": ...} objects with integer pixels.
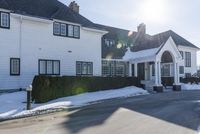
[
  {"x": 56, "y": 28},
  {"x": 4, "y": 20},
  {"x": 187, "y": 59},
  {"x": 70, "y": 30},
  {"x": 66, "y": 30},
  {"x": 63, "y": 29}
]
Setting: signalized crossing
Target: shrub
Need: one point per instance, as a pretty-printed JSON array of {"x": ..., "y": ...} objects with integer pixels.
[
  {"x": 46, "y": 88},
  {"x": 192, "y": 80}
]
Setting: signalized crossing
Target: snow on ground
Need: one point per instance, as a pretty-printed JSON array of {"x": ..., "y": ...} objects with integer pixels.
[
  {"x": 190, "y": 86},
  {"x": 13, "y": 104}
]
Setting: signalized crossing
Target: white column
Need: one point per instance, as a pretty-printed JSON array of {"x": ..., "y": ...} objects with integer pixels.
[
  {"x": 156, "y": 74},
  {"x": 135, "y": 69},
  {"x": 159, "y": 73},
  {"x": 178, "y": 74},
  {"x": 130, "y": 69},
  {"x": 175, "y": 73}
]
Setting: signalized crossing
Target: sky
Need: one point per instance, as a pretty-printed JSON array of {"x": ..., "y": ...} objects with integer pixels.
[{"x": 181, "y": 16}]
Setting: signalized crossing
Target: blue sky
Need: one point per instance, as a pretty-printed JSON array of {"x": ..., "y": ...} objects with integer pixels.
[{"x": 181, "y": 16}]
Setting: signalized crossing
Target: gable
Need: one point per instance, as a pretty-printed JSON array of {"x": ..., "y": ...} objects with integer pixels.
[{"x": 170, "y": 47}]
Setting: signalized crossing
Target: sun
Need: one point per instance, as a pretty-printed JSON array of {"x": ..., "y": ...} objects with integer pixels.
[{"x": 153, "y": 11}]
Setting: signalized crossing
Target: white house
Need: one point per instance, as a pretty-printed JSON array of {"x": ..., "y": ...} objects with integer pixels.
[
  {"x": 158, "y": 60},
  {"x": 46, "y": 37}
]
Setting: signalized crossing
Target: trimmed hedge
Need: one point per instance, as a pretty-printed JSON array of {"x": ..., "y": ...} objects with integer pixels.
[
  {"x": 192, "y": 80},
  {"x": 46, "y": 88}
]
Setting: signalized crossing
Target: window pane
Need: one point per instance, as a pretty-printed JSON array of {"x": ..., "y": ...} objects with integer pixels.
[
  {"x": 63, "y": 30},
  {"x": 105, "y": 68},
  {"x": 84, "y": 68},
  {"x": 15, "y": 66},
  {"x": 4, "y": 19},
  {"x": 165, "y": 70},
  {"x": 56, "y": 28},
  {"x": 42, "y": 67},
  {"x": 187, "y": 59},
  {"x": 49, "y": 67},
  {"x": 182, "y": 54},
  {"x": 90, "y": 68},
  {"x": 56, "y": 67},
  {"x": 120, "y": 69},
  {"x": 78, "y": 68},
  {"x": 76, "y": 31},
  {"x": 181, "y": 69},
  {"x": 70, "y": 30}
]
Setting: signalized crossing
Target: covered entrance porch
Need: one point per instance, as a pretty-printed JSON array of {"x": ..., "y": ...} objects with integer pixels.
[{"x": 157, "y": 68}]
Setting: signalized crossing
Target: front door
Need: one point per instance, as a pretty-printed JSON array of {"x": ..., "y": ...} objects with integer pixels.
[{"x": 141, "y": 71}]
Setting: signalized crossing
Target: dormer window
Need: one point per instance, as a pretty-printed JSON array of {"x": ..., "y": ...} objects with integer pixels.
[
  {"x": 66, "y": 30},
  {"x": 4, "y": 20}
]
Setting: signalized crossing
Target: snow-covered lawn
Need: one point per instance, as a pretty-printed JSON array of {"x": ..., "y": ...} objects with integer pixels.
[
  {"x": 13, "y": 104},
  {"x": 190, "y": 86}
]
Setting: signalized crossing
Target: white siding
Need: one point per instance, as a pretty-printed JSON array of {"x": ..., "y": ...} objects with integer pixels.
[
  {"x": 193, "y": 51},
  {"x": 38, "y": 42}
]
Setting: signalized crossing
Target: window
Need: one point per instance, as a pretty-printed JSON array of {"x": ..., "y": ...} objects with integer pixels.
[
  {"x": 181, "y": 69},
  {"x": 188, "y": 75},
  {"x": 181, "y": 52},
  {"x": 120, "y": 69},
  {"x": 76, "y": 31},
  {"x": 66, "y": 30},
  {"x": 105, "y": 68},
  {"x": 56, "y": 28},
  {"x": 5, "y": 20},
  {"x": 165, "y": 70},
  {"x": 14, "y": 66},
  {"x": 49, "y": 67},
  {"x": 187, "y": 59},
  {"x": 70, "y": 31},
  {"x": 115, "y": 68},
  {"x": 109, "y": 42},
  {"x": 153, "y": 69},
  {"x": 63, "y": 30},
  {"x": 84, "y": 68},
  {"x": 73, "y": 31}
]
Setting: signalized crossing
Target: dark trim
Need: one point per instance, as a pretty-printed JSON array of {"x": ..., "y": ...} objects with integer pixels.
[
  {"x": 8, "y": 19},
  {"x": 66, "y": 30},
  {"x": 186, "y": 59},
  {"x": 46, "y": 60},
  {"x": 18, "y": 74},
  {"x": 81, "y": 74}
]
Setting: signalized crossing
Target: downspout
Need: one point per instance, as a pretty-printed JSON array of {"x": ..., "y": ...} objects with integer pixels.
[{"x": 20, "y": 47}]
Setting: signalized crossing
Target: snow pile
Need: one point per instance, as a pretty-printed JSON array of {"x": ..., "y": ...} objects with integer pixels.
[
  {"x": 13, "y": 104},
  {"x": 190, "y": 86}
]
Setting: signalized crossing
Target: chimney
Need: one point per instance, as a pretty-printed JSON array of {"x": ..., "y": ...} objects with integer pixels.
[
  {"x": 74, "y": 6},
  {"x": 142, "y": 29}
]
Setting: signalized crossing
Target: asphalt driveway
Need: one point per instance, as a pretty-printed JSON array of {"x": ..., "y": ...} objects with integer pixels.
[{"x": 165, "y": 113}]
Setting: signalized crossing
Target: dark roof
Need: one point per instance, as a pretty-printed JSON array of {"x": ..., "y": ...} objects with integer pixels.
[
  {"x": 148, "y": 42},
  {"x": 49, "y": 9},
  {"x": 119, "y": 36},
  {"x": 140, "y": 41}
]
